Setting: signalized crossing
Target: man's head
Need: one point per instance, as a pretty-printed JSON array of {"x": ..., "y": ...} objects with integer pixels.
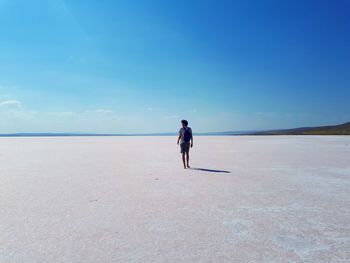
[{"x": 184, "y": 123}]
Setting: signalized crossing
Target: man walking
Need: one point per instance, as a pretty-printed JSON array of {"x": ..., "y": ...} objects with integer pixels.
[{"x": 186, "y": 140}]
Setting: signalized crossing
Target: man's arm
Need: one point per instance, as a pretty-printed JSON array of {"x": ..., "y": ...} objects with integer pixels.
[
  {"x": 191, "y": 139},
  {"x": 178, "y": 139}
]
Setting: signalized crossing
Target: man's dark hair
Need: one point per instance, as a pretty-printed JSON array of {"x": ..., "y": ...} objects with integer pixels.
[{"x": 184, "y": 122}]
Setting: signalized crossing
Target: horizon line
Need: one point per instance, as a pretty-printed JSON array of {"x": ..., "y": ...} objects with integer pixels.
[
  {"x": 217, "y": 133},
  {"x": 67, "y": 134}
]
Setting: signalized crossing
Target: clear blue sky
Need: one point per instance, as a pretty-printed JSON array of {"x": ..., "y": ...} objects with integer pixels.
[{"x": 142, "y": 66}]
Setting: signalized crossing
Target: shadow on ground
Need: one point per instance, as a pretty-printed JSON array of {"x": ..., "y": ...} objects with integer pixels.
[{"x": 210, "y": 170}]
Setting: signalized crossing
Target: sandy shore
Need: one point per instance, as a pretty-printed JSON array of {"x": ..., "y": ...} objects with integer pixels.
[{"x": 128, "y": 199}]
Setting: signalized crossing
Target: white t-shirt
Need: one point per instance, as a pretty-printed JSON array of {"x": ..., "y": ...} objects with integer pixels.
[{"x": 182, "y": 132}]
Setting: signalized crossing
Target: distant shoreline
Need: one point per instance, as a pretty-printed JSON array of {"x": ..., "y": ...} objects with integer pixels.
[
  {"x": 342, "y": 129},
  {"x": 109, "y": 135}
]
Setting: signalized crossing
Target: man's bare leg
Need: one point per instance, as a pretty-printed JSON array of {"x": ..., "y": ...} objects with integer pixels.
[
  {"x": 188, "y": 159},
  {"x": 183, "y": 159}
]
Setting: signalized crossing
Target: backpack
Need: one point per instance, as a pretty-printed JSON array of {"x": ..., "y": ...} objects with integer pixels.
[{"x": 187, "y": 135}]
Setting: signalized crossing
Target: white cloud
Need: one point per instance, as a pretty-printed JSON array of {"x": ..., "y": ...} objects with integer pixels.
[
  {"x": 122, "y": 118},
  {"x": 103, "y": 111},
  {"x": 170, "y": 117},
  {"x": 62, "y": 113},
  {"x": 11, "y": 103},
  {"x": 99, "y": 121}
]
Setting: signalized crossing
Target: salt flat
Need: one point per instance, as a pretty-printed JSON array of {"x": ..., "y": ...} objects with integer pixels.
[{"x": 128, "y": 199}]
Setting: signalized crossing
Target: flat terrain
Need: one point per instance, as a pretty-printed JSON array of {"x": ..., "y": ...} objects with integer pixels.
[{"x": 128, "y": 199}]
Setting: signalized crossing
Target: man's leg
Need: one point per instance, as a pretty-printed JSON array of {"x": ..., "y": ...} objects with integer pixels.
[
  {"x": 188, "y": 159},
  {"x": 183, "y": 159}
]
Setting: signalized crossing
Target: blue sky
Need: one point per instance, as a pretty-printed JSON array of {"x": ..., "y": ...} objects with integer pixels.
[{"x": 142, "y": 66}]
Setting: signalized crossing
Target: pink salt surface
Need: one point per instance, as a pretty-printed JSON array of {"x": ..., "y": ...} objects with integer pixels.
[{"x": 128, "y": 199}]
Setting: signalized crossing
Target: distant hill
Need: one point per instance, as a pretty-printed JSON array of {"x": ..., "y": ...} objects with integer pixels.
[{"x": 342, "y": 129}]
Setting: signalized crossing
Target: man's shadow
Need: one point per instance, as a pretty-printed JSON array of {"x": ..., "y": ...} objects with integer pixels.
[{"x": 210, "y": 170}]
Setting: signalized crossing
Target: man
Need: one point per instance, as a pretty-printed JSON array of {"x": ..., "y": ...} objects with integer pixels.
[{"x": 186, "y": 140}]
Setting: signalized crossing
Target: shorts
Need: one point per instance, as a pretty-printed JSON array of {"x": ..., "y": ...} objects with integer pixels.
[{"x": 185, "y": 147}]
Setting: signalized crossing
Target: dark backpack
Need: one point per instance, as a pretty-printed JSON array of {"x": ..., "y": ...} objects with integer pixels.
[{"x": 187, "y": 135}]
